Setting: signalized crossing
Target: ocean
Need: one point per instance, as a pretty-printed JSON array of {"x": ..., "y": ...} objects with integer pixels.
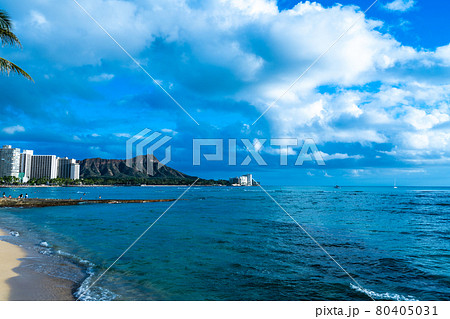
[{"x": 235, "y": 243}]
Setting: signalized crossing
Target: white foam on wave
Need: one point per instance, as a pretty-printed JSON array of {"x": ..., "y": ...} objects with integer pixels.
[
  {"x": 95, "y": 293},
  {"x": 87, "y": 293},
  {"x": 383, "y": 296},
  {"x": 44, "y": 244},
  {"x": 75, "y": 258}
]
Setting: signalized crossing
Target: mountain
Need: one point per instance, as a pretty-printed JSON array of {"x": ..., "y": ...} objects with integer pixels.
[{"x": 113, "y": 168}]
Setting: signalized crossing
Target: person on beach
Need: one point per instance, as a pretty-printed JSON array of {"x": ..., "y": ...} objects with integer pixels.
[
  {"x": 9, "y": 196},
  {"x": 4, "y": 195},
  {"x": 26, "y": 195},
  {"x": 20, "y": 196}
]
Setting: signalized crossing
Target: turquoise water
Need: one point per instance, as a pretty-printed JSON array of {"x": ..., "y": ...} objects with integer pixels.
[{"x": 225, "y": 243}]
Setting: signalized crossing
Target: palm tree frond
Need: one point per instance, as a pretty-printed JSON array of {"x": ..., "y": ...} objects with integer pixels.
[
  {"x": 9, "y": 38},
  {"x": 9, "y": 67},
  {"x": 5, "y": 21}
]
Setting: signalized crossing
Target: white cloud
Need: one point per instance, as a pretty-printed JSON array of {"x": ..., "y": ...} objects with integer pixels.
[
  {"x": 127, "y": 135},
  {"x": 421, "y": 120},
  {"x": 38, "y": 19},
  {"x": 252, "y": 52},
  {"x": 339, "y": 156},
  {"x": 101, "y": 77},
  {"x": 13, "y": 129},
  {"x": 400, "y": 5},
  {"x": 433, "y": 141},
  {"x": 169, "y": 131},
  {"x": 443, "y": 53},
  {"x": 277, "y": 150}
]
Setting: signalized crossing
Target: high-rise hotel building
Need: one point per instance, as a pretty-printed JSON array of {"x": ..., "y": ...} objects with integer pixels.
[
  {"x": 44, "y": 166},
  {"x": 26, "y": 165},
  {"x": 68, "y": 168},
  {"x": 9, "y": 161}
]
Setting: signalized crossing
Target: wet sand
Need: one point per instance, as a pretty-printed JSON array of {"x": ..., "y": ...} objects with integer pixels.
[
  {"x": 35, "y": 286},
  {"x": 21, "y": 279},
  {"x": 9, "y": 260}
]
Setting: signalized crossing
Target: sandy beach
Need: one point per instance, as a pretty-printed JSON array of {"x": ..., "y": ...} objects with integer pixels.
[
  {"x": 10, "y": 255},
  {"x": 20, "y": 281}
]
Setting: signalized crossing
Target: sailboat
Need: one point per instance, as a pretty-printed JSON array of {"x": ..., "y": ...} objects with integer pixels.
[{"x": 395, "y": 186}]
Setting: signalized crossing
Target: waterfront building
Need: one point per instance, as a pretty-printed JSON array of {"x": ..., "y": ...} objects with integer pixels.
[
  {"x": 9, "y": 161},
  {"x": 75, "y": 171},
  {"x": 44, "y": 166},
  {"x": 25, "y": 165},
  {"x": 249, "y": 179},
  {"x": 244, "y": 180},
  {"x": 68, "y": 168}
]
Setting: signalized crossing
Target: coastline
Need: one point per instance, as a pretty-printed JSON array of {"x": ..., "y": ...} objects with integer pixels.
[
  {"x": 162, "y": 185},
  {"x": 10, "y": 255},
  {"x": 21, "y": 280}
]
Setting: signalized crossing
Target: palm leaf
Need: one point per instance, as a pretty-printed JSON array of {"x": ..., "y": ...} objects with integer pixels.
[
  {"x": 5, "y": 21},
  {"x": 9, "y": 38},
  {"x": 9, "y": 67}
]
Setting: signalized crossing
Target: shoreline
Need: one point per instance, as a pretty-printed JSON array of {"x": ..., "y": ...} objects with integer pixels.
[
  {"x": 20, "y": 279},
  {"x": 10, "y": 260},
  {"x": 163, "y": 185}
]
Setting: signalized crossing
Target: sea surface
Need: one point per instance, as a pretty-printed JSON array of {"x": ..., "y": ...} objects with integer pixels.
[{"x": 236, "y": 243}]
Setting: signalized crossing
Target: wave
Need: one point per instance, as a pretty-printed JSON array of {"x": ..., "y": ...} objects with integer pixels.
[
  {"x": 76, "y": 259},
  {"x": 83, "y": 292},
  {"x": 87, "y": 293},
  {"x": 44, "y": 244},
  {"x": 383, "y": 296}
]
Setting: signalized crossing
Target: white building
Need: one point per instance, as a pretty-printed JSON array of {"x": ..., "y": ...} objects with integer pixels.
[
  {"x": 74, "y": 171},
  {"x": 9, "y": 161},
  {"x": 25, "y": 165},
  {"x": 44, "y": 166},
  {"x": 244, "y": 180}
]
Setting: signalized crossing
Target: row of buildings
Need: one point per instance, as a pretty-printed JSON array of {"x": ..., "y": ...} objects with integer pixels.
[
  {"x": 244, "y": 180},
  {"x": 25, "y": 165}
]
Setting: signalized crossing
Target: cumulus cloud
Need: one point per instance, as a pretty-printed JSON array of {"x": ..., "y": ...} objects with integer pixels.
[
  {"x": 368, "y": 89},
  {"x": 338, "y": 156},
  {"x": 13, "y": 129},
  {"x": 38, "y": 19},
  {"x": 101, "y": 77},
  {"x": 400, "y": 5}
]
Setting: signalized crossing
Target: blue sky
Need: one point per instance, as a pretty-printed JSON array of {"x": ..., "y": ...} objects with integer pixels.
[{"x": 377, "y": 104}]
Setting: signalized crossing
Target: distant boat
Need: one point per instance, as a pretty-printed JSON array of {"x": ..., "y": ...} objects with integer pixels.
[
  {"x": 337, "y": 186},
  {"x": 395, "y": 186}
]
